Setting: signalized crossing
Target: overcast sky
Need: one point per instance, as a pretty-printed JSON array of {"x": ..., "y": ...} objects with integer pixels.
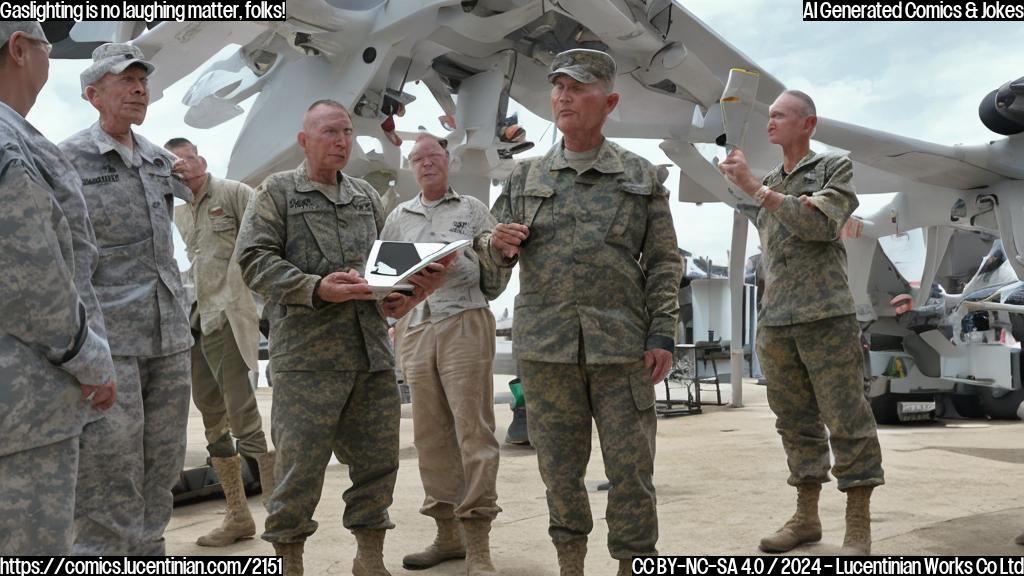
[{"x": 923, "y": 80}]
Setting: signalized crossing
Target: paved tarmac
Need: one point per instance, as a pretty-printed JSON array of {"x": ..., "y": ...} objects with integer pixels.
[{"x": 953, "y": 488}]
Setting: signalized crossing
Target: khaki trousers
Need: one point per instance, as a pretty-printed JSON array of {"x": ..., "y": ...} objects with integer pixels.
[
  {"x": 223, "y": 394},
  {"x": 448, "y": 367}
]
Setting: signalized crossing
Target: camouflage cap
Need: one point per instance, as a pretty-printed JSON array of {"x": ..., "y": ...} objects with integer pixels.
[
  {"x": 113, "y": 58},
  {"x": 31, "y": 28},
  {"x": 586, "y": 66}
]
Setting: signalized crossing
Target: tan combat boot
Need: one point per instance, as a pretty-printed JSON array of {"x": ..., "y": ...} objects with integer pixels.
[
  {"x": 238, "y": 523},
  {"x": 803, "y": 527},
  {"x": 369, "y": 559},
  {"x": 571, "y": 555},
  {"x": 267, "y": 481},
  {"x": 858, "y": 522},
  {"x": 447, "y": 546},
  {"x": 478, "y": 548},
  {"x": 291, "y": 558}
]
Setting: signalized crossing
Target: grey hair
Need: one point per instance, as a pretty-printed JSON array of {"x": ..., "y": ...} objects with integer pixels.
[{"x": 809, "y": 109}]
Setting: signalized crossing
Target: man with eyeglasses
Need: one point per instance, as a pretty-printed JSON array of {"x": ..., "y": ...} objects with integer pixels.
[
  {"x": 446, "y": 351},
  {"x": 132, "y": 459},
  {"x": 57, "y": 370}
]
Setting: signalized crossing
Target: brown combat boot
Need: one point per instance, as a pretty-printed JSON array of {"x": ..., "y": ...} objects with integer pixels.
[
  {"x": 858, "y": 522},
  {"x": 238, "y": 523},
  {"x": 291, "y": 558},
  {"x": 447, "y": 546},
  {"x": 267, "y": 480},
  {"x": 803, "y": 527},
  {"x": 625, "y": 568},
  {"x": 1020, "y": 539},
  {"x": 369, "y": 560},
  {"x": 571, "y": 555},
  {"x": 478, "y": 548}
]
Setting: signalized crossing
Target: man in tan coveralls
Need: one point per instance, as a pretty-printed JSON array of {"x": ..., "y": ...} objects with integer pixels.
[
  {"x": 446, "y": 348},
  {"x": 225, "y": 326},
  {"x": 56, "y": 362},
  {"x": 303, "y": 242},
  {"x": 595, "y": 318},
  {"x": 808, "y": 338}
]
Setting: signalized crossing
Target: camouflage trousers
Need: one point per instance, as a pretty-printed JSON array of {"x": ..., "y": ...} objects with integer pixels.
[
  {"x": 224, "y": 396},
  {"x": 561, "y": 402},
  {"x": 132, "y": 458},
  {"x": 448, "y": 366},
  {"x": 37, "y": 500},
  {"x": 355, "y": 415},
  {"x": 816, "y": 390}
]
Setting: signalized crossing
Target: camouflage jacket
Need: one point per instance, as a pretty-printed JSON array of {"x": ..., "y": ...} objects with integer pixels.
[
  {"x": 51, "y": 340},
  {"x": 130, "y": 195},
  {"x": 295, "y": 232},
  {"x": 804, "y": 261},
  {"x": 601, "y": 261},
  {"x": 209, "y": 229},
  {"x": 455, "y": 217}
]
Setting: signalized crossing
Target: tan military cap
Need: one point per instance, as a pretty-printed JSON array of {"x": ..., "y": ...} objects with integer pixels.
[
  {"x": 583, "y": 65},
  {"x": 113, "y": 58}
]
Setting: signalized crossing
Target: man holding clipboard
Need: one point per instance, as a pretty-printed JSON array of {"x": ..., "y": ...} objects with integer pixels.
[{"x": 304, "y": 238}]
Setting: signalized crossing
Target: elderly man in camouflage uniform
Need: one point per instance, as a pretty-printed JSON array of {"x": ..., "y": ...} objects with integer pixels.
[
  {"x": 132, "y": 458},
  {"x": 302, "y": 244},
  {"x": 808, "y": 335},
  {"x": 595, "y": 319},
  {"x": 225, "y": 325},
  {"x": 446, "y": 348},
  {"x": 57, "y": 365}
]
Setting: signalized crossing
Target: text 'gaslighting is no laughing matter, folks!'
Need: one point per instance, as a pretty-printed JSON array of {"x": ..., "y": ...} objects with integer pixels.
[{"x": 142, "y": 10}]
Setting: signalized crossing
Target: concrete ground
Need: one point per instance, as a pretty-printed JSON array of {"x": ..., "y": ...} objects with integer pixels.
[{"x": 953, "y": 487}]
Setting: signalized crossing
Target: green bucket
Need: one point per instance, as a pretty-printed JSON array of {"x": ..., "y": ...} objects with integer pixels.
[{"x": 516, "y": 386}]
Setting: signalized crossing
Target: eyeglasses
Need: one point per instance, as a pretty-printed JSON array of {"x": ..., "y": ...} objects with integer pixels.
[{"x": 435, "y": 158}]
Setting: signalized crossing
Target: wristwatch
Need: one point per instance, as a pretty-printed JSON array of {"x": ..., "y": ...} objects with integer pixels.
[{"x": 762, "y": 194}]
